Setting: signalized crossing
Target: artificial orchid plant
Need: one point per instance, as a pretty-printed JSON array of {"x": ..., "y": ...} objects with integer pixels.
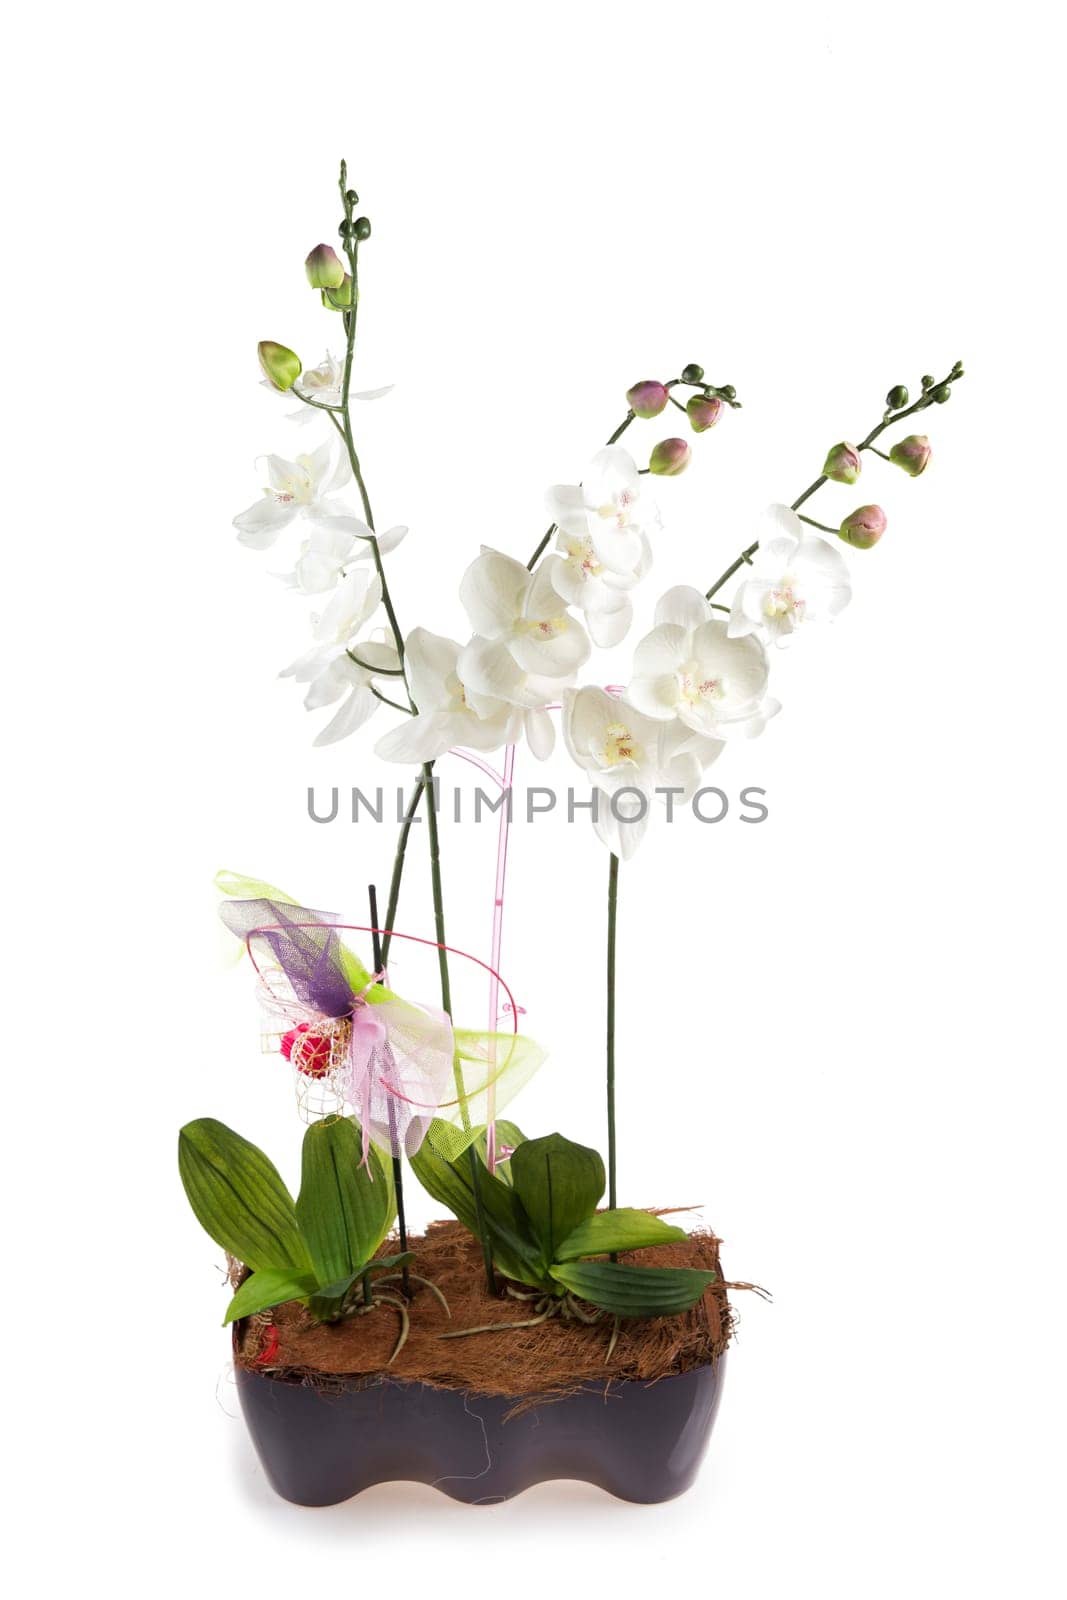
[{"x": 384, "y": 1078}]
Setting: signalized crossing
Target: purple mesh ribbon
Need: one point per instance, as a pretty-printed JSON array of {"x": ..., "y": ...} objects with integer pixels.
[{"x": 310, "y": 957}]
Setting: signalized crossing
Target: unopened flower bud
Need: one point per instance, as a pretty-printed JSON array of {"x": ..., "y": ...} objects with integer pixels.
[
  {"x": 351, "y": 197},
  {"x": 281, "y": 366},
  {"x": 897, "y": 397},
  {"x": 669, "y": 457},
  {"x": 692, "y": 373},
  {"x": 941, "y": 393},
  {"x": 324, "y": 269},
  {"x": 647, "y": 399},
  {"x": 912, "y": 453},
  {"x": 339, "y": 299},
  {"x": 704, "y": 411},
  {"x": 361, "y": 227},
  {"x": 842, "y": 464},
  {"x": 864, "y": 527}
]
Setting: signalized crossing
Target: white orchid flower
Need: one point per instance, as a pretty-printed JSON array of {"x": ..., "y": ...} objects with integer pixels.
[
  {"x": 354, "y": 670},
  {"x": 324, "y": 384},
  {"x": 338, "y": 540},
  {"x": 490, "y": 672},
  {"x": 335, "y": 663},
  {"x": 690, "y": 669},
  {"x": 523, "y": 614},
  {"x": 611, "y": 509},
  {"x": 795, "y": 578},
  {"x": 294, "y": 488},
  {"x": 355, "y": 601},
  {"x": 451, "y": 712},
  {"x": 581, "y": 578},
  {"x": 629, "y": 758}
]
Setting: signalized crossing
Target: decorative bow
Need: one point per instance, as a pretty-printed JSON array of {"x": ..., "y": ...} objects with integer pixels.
[
  {"x": 388, "y": 1058},
  {"x": 400, "y": 1065}
]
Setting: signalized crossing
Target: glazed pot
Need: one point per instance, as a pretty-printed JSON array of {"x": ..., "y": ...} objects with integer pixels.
[{"x": 640, "y": 1441}]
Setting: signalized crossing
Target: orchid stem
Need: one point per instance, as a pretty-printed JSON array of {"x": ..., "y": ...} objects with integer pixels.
[
  {"x": 350, "y": 244},
  {"x": 446, "y": 1005},
  {"x": 384, "y": 698},
  {"x": 319, "y": 405},
  {"x": 542, "y": 547},
  {"x": 888, "y": 419},
  {"x": 351, "y": 248},
  {"x": 398, "y": 1166},
  {"x": 613, "y": 901},
  {"x": 735, "y": 566},
  {"x": 398, "y": 869}
]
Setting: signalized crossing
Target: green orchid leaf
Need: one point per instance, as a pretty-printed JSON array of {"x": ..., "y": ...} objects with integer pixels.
[
  {"x": 403, "y": 1258},
  {"x": 334, "y": 1293},
  {"x": 558, "y": 1184},
  {"x": 238, "y": 1197},
  {"x": 337, "y": 1291},
  {"x": 634, "y": 1291},
  {"x": 440, "y": 1178},
  {"x": 506, "y": 1134},
  {"x": 344, "y": 1209},
  {"x": 335, "y": 1299},
  {"x": 270, "y": 1286},
  {"x": 609, "y": 1231},
  {"x": 328, "y": 1308},
  {"x": 515, "y": 1249}
]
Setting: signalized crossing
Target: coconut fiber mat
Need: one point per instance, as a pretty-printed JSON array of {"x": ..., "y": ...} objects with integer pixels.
[{"x": 553, "y": 1357}]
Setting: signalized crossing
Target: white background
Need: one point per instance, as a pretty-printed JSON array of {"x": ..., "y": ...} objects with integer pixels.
[{"x": 841, "y": 1032}]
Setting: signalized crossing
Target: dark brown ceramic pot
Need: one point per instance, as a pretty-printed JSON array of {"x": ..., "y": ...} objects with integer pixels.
[{"x": 640, "y": 1441}]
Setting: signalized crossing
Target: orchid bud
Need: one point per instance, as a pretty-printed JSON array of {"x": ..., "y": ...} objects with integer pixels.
[
  {"x": 864, "y": 527},
  {"x": 281, "y": 366},
  {"x": 339, "y": 299},
  {"x": 897, "y": 398},
  {"x": 669, "y": 457},
  {"x": 324, "y": 269},
  {"x": 361, "y": 227},
  {"x": 704, "y": 411},
  {"x": 692, "y": 373},
  {"x": 912, "y": 453},
  {"x": 647, "y": 399},
  {"x": 843, "y": 464}
]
